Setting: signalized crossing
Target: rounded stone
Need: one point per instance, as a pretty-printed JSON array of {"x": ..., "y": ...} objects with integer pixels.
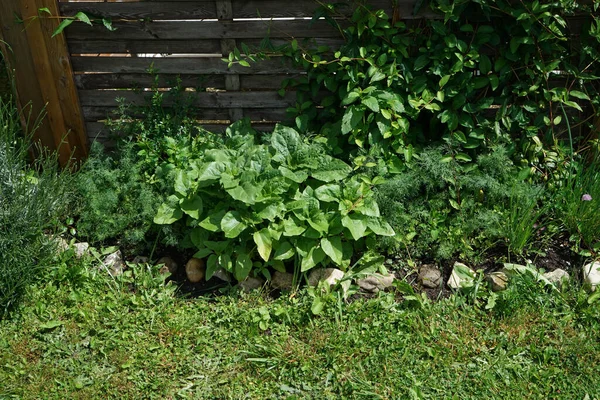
[
  {"x": 168, "y": 265},
  {"x": 195, "y": 270}
]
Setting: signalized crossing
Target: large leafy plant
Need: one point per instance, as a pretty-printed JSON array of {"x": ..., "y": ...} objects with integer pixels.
[
  {"x": 281, "y": 203},
  {"x": 489, "y": 71}
]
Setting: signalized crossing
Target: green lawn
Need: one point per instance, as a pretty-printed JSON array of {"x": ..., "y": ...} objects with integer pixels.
[{"x": 83, "y": 335}]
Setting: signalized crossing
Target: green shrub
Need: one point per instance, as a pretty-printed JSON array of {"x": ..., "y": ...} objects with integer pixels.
[
  {"x": 33, "y": 198},
  {"x": 116, "y": 202},
  {"x": 441, "y": 209},
  {"x": 281, "y": 202}
]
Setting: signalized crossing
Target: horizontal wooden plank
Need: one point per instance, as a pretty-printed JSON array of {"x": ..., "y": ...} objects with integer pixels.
[
  {"x": 87, "y": 46},
  {"x": 92, "y": 113},
  {"x": 205, "y": 9},
  {"x": 174, "y": 65},
  {"x": 307, "y": 8},
  {"x": 192, "y": 30},
  {"x": 97, "y": 131},
  {"x": 144, "y": 10},
  {"x": 263, "y": 99},
  {"x": 128, "y": 81},
  {"x": 206, "y": 46},
  {"x": 138, "y": 81}
]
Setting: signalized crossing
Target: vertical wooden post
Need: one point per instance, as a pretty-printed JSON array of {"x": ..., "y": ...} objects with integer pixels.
[
  {"x": 44, "y": 76},
  {"x": 232, "y": 82}
]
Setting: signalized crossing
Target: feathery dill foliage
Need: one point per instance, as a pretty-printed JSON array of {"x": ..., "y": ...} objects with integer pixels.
[
  {"x": 116, "y": 202},
  {"x": 33, "y": 198},
  {"x": 419, "y": 206}
]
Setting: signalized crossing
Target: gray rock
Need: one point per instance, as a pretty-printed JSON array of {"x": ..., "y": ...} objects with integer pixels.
[
  {"x": 461, "y": 277},
  {"x": 497, "y": 280},
  {"x": 251, "y": 284},
  {"x": 558, "y": 277},
  {"x": 330, "y": 275},
  {"x": 140, "y": 260},
  {"x": 169, "y": 266},
  {"x": 591, "y": 275},
  {"x": 376, "y": 282},
  {"x": 282, "y": 280},
  {"x": 81, "y": 249},
  {"x": 114, "y": 263},
  {"x": 430, "y": 276},
  {"x": 61, "y": 244},
  {"x": 222, "y": 275}
]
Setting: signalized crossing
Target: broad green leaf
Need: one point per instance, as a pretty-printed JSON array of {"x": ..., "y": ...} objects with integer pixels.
[
  {"x": 331, "y": 169},
  {"x": 333, "y": 248},
  {"x": 317, "y": 305},
  {"x": 202, "y": 253},
  {"x": 291, "y": 228},
  {"x": 62, "y": 26},
  {"x": 485, "y": 65},
  {"x": 329, "y": 193},
  {"x": 218, "y": 247},
  {"x": 210, "y": 172},
  {"x": 295, "y": 176},
  {"x": 302, "y": 122},
  {"x": 213, "y": 221},
  {"x": 80, "y": 16},
  {"x": 351, "y": 118},
  {"x": 421, "y": 62},
  {"x": 573, "y": 104},
  {"x": 192, "y": 206},
  {"x": 285, "y": 140},
  {"x": 264, "y": 243},
  {"x": 243, "y": 266},
  {"x": 444, "y": 80},
  {"x": 371, "y": 103},
  {"x": 198, "y": 236},
  {"x": 579, "y": 95},
  {"x": 463, "y": 157},
  {"x": 284, "y": 251},
  {"x": 211, "y": 266},
  {"x": 319, "y": 222},
  {"x": 168, "y": 212},
  {"x": 312, "y": 259},
  {"x": 182, "y": 183},
  {"x": 356, "y": 224},
  {"x": 246, "y": 192},
  {"x": 224, "y": 262},
  {"x": 232, "y": 224},
  {"x": 380, "y": 227}
]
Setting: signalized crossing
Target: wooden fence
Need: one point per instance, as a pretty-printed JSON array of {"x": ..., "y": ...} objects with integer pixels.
[
  {"x": 78, "y": 76},
  {"x": 189, "y": 38}
]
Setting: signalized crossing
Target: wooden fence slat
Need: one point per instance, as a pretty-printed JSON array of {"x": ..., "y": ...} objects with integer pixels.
[
  {"x": 29, "y": 96},
  {"x": 94, "y": 113},
  {"x": 232, "y": 81},
  {"x": 53, "y": 75},
  {"x": 143, "y": 10},
  {"x": 192, "y": 30},
  {"x": 205, "y": 9},
  {"x": 266, "y": 99},
  {"x": 133, "y": 81},
  {"x": 174, "y": 65},
  {"x": 209, "y": 46}
]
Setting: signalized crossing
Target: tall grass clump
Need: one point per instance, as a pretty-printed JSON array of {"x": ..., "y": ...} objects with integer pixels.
[
  {"x": 33, "y": 198},
  {"x": 579, "y": 204}
]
